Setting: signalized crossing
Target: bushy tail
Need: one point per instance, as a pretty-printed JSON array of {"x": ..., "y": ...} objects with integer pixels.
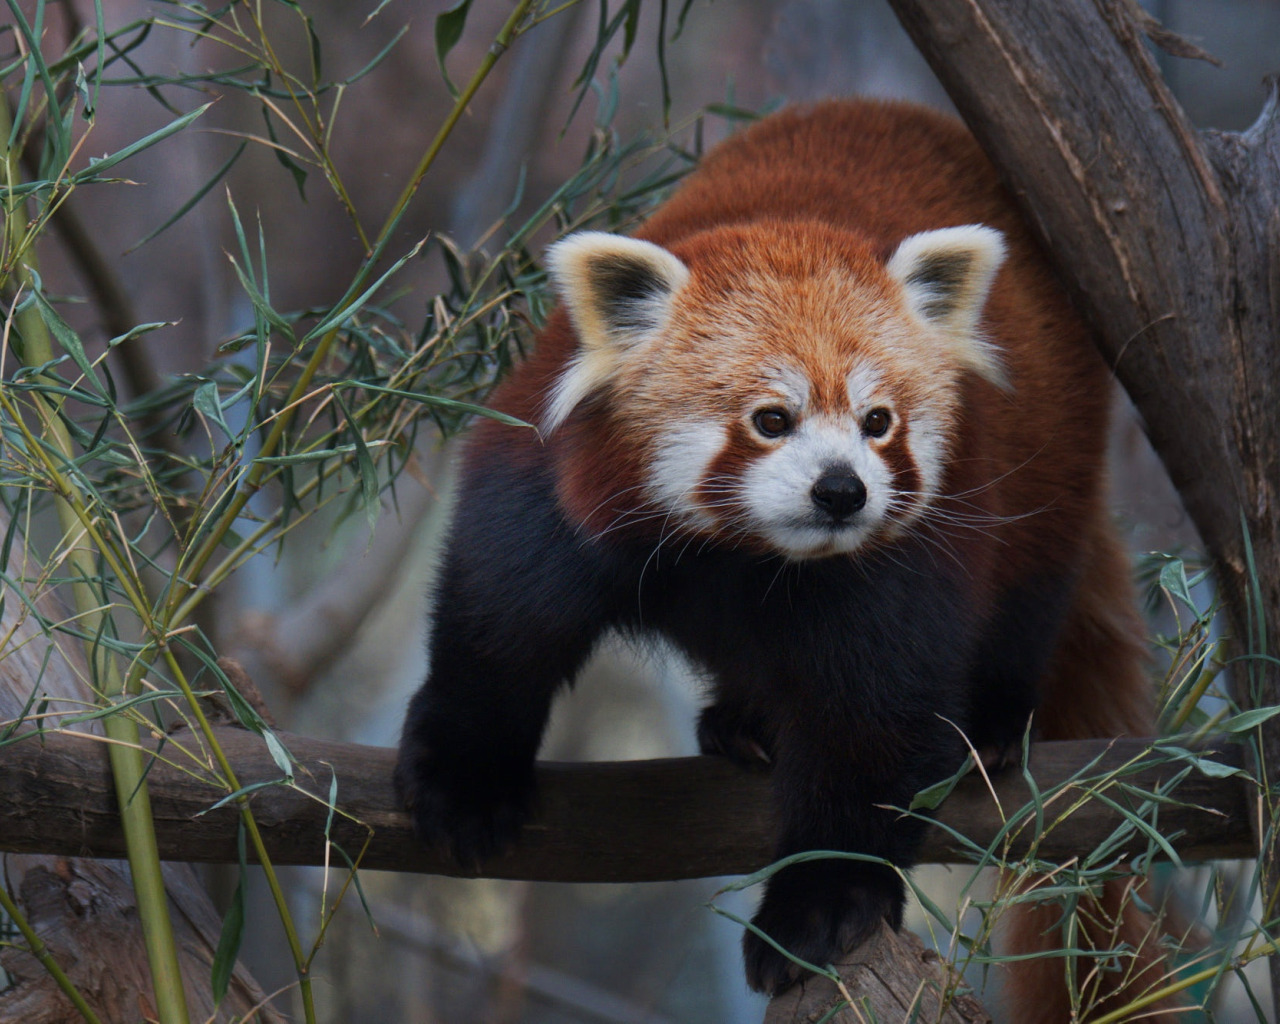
[{"x": 1098, "y": 687}]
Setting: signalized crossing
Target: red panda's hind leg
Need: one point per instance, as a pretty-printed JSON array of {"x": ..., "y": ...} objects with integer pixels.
[{"x": 1097, "y": 685}]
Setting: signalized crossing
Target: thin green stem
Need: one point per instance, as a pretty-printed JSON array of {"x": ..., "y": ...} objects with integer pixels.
[
  {"x": 127, "y": 764},
  {"x": 513, "y": 26},
  {"x": 41, "y": 952},
  {"x": 300, "y": 960}
]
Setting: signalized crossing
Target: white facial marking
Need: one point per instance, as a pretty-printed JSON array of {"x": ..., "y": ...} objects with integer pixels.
[
  {"x": 586, "y": 372},
  {"x": 680, "y": 465},
  {"x": 777, "y": 488},
  {"x": 790, "y": 383},
  {"x": 929, "y": 449},
  {"x": 864, "y": 388}
]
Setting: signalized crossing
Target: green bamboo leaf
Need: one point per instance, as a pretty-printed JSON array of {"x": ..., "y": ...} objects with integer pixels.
[
  {"x": 345, "y": 310},
  {"x": 245, "y": 713},
  {"x": 730, "y": 112},
  {"x": 931, "y": 797},
  {"x": 313, "y": 38},
  {"x": 12, "y": 728},
  {"x": 141, "y": 329},
  {"x": 100, "y": 52},
  {"x": 368, "y": 471},
  {"x": 684, "y": 11},
  {"x": 298, "y": 172},
  {"x": 1258, "y": 620},
  {"x": 206, "y": 403},
  {"x": 97, "y": 166},
  {"x": 243, "y": 791},
  {"x": 149, "y": 699},
  {"x": 631, "y": 14},
  {"x": 241, "y": 241},
  {"x": 281, "y": 756},
  {"x": 446, "y": 403},
  {"x": 261, "y": 306},
  {"x": 315, "y": 454},
  {"x": 224, "y": 960},
  {"x": 381, "y": 54},
  {"x": 67, "y": 338},
  {"x": 57, "y": 136},
  {"x": 662, "y": 63},
  {"x": 449, "y": 28},
  {"x": 200, "y": 193},
  {"x": 1173, "y": 579},
  {"x": 1248, "y": 720},
  {"x": 1206, "y": 766}
]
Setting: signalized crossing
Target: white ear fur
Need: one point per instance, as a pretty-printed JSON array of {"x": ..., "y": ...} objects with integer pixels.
[
  {"x": 618, "y": 292},
  {"x": 946, "y": 276}
]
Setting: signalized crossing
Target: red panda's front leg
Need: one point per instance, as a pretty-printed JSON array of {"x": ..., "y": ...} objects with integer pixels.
[
  {"x": 520, "y": 602},
  {"x": 819, "y": 909}
]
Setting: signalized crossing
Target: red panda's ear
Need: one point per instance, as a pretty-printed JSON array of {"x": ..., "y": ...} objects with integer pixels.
[
  {"x": 945, "y": 277},
  {"x": 618, "y": 292}
]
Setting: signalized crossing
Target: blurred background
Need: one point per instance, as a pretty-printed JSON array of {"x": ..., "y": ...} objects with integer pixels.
[{"x": 333, "y": 628}]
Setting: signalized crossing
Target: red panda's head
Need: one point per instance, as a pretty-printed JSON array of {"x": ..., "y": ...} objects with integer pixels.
[{"x": 780, "y": 386}]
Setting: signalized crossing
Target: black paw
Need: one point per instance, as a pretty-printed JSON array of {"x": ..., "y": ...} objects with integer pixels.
[
  {"x": 467, "y": 813},
  {"x": 821, "y": 912},
  {"x": 726, "y": 732}
]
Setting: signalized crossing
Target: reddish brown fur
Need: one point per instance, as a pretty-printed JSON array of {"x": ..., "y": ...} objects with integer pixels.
[{"x": 866, "y": 175}]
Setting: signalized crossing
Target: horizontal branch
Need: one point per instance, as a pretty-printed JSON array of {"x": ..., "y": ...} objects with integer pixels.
[{"x": 617, "y": 821}]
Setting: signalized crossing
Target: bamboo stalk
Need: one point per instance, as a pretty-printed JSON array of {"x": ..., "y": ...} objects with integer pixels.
[{"x": 127, "y": 762}]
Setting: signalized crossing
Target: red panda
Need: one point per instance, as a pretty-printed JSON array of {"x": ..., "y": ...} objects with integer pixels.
[{"x": 829, "y": 425}]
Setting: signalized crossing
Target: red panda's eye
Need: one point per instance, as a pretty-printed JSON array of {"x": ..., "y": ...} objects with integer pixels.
[
  {"x": 772, "y": 422},
  {"x": 876, "y": 423}
]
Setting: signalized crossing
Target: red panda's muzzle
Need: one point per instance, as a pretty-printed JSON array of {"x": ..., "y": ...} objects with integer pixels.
[{"x": 839, "y": 494}]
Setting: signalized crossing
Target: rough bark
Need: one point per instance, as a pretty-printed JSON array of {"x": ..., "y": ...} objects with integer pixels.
[
  {"x": 609, "y": 822},
  {"x": 891, "y": 978},
  {"x": 84, "y": 910},
  {"x": 1166, "y": 236}
]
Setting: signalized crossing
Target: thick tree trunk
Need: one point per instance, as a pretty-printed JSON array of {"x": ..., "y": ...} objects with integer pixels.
[
  {"x": 1170, "y": 240},
  {"x": 893, "y": 977}
]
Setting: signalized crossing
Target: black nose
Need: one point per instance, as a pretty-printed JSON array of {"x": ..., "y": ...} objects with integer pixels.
[{"x": 839, "y": 495}]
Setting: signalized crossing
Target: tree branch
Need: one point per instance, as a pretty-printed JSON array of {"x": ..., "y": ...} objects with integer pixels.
[{"x": 604, "y": 822}]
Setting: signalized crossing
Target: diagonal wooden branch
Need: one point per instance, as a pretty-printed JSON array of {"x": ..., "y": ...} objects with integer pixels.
[
  {"x": 1170, "y": 240},
  {"x": 1070, "y": 106},
  {"x": 1166, "y": 236}
]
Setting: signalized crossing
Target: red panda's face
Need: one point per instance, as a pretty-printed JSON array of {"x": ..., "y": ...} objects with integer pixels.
[{"x": 786, "y": 390}]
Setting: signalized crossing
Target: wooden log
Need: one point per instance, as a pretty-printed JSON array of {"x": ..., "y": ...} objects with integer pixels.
[
  {"x": 892, "y": 977},
  {"x": 605, "y": 822}
]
